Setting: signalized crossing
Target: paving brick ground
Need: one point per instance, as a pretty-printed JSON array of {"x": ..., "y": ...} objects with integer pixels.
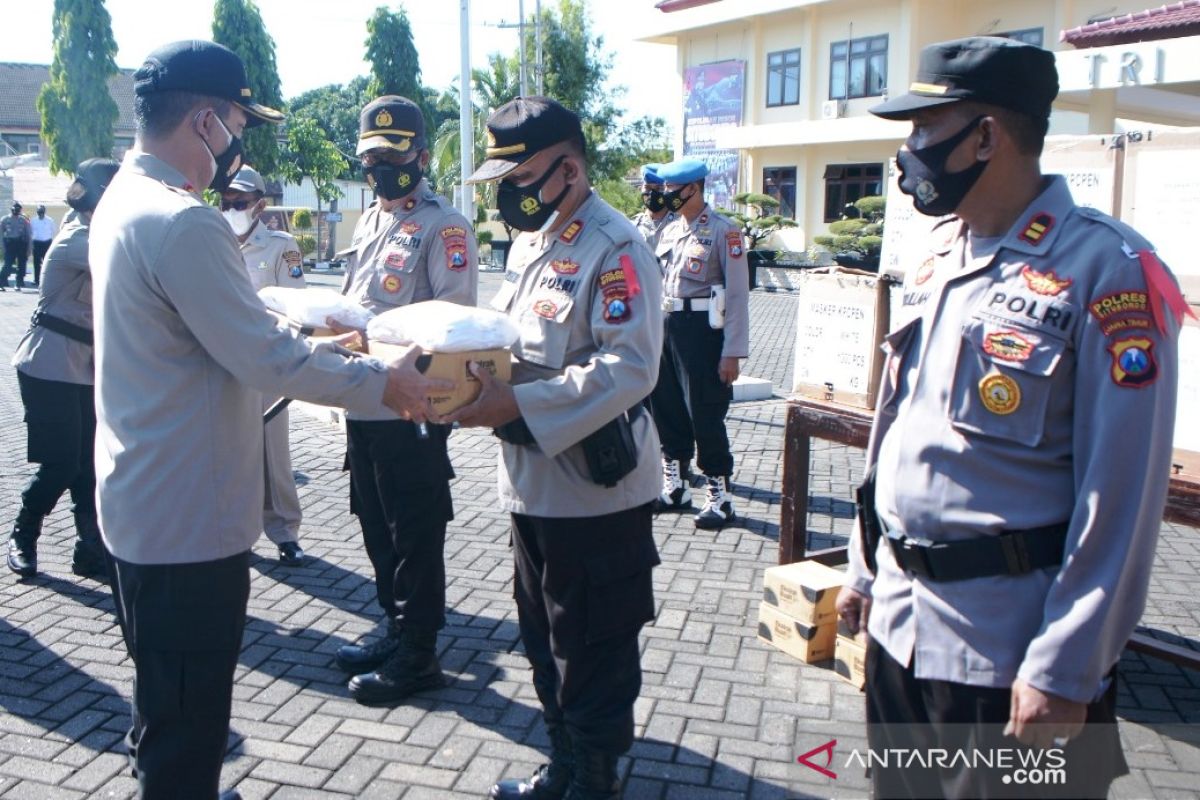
[{"x": 720, "y": 715}]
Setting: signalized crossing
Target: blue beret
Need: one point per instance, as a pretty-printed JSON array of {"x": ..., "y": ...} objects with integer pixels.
[
  {"x": 650, "y": 174},
  {"x": 685, "y": 170}
]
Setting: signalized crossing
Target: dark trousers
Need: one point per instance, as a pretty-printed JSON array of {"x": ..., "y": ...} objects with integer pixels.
[
  {"x": 583, "y": 591},
  {"x": 39, "y": 254},
  {"x": 182, "y": 625},
  {"x": 905, "y": 712},
  {"x": 60, "y": 421},
  {"x": 16, "y": 251},
  {"x": 400, "y": 491},
  {"x": 689, "y": 402}
]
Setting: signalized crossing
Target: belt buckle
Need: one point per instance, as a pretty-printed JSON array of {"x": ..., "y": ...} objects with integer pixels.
[{"x": 912, "y": 555}]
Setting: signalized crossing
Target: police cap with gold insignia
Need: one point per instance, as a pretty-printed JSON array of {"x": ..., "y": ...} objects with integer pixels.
[
  {"x": 390, "y": 121},
  {"x": 204, "y": 68},
  {"x": 982, "y": 69},
  {"x": 519, "y": 130}
]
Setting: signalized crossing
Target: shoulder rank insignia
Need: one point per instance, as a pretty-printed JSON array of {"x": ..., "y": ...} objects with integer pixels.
[
  {"x": 1044, "y": 283},
  {"x": 571, "y": 232}
]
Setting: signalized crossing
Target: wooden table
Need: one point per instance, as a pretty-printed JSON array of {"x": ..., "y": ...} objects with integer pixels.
[{"x": 813, "y": 419}]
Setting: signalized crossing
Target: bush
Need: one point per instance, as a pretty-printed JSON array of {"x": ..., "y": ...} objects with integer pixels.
[
  {"x": 871, "y": 208},
  {"x": 824, "y": 241},
  {"x": 306, "y": 242},
  {"x": 302, "y": 219},
  {"x": 847, "y": 227},
  {"x": 847, "y": 242},
  {"x": 484, "y": 237},
  {"x": 870, "y": 245}
]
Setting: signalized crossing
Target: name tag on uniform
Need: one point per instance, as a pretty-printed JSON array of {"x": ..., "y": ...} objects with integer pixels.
[{"x": 263, "y": 265}]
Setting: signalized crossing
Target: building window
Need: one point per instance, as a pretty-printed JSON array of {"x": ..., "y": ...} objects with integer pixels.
[
  {"x": 780, "y": 183},
  {"x": 1031, "y": 36},
  {"x": 783, "y": 78},
  {"x": 845, "y": 183},
  {"x": 33, "y": 148},
  {"x": 858, "y": 67}
]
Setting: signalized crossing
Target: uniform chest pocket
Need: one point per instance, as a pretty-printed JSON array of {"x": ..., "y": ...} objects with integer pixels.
[
  {"x": 696, "y": 264},
  {"x": 545, "y": 322},
  {"x": 394, "y": 278},
  {"x": 1002, "y": 381}
]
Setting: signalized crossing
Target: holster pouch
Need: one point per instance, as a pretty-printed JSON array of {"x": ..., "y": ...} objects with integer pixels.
[
  {"x": 515, "y": 432},
  {"x": 611, "y": 452},
  {"x": 716, "y": 307},
  {"x": 870, "y": 530}
]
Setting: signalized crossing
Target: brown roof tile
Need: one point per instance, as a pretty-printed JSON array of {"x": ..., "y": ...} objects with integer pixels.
[{"x": 1165, "y": 22}]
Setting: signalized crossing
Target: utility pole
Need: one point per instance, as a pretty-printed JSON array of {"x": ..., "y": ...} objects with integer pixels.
[
  {"x": 538, "y": 33},
  {"x": 521, "y": 39},
  {"x": 466, "y": 122}
]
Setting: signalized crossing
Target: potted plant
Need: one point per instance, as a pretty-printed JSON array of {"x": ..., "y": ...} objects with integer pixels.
[{"x": 857, "y": 238}]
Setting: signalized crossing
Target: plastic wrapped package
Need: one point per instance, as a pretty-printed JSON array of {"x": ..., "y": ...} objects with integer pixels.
[
  {"x": 312, "y": 307},
  {"x": 442, "y": 327}
]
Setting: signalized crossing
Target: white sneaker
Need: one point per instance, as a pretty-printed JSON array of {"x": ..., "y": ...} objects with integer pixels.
[
  {"x": 675, "y": 492},
  {"x": 718, "y": 504}
]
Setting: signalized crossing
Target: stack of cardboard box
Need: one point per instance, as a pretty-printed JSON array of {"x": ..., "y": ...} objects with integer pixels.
[
  {"x": 798, "y": 613},
  {"x": 850, "y": 656}
]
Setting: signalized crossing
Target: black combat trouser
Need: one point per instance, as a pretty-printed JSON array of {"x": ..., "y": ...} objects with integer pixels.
[
  {"x": 182, "y": 625},
  {"x": 60, "y": 420},
  {"x": 909, "y": 713},
  {"x": 583, "y": 590},
  {"x": 16, "y": 251},
  {"x": 689, "y": 402},
  {"x": 40, "y": 246},
  {"x": 400, "y": 491}
]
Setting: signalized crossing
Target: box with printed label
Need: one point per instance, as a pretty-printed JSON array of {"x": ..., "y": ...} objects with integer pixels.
[
  {"x": 806, "y": 591},
  {"x": 841, "y": 321},
  {"x": 809, "y": 643},
  {"x": 850, "y": 660},
  {"x": 453, "y": 367}
]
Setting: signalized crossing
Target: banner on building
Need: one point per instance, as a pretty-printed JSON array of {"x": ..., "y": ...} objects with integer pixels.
[{"x": 712, "y": 101}]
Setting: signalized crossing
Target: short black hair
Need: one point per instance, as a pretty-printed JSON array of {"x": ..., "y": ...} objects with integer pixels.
[
  {"x": 158, "y": 114},
  {"x": 1027, "y": 132}
]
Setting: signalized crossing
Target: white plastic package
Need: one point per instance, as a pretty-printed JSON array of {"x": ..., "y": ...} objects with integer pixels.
[
  {"x": 311, "y": 307},
  {"x": 443, "y": 327}
]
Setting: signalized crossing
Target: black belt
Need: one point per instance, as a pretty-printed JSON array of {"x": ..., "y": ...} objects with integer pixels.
[
  {"x": 1007, "y": 553},
  {"x": 517, "y": 432},
  {"x": 61, "y": 326}
]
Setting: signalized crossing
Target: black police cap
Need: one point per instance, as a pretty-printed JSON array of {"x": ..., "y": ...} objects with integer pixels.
[
  {"x": 390, "y": 121},
  {"x": 204, "y": 68},
  {"x": 982, "y": 69},
  {"x": 519, "y": 130}
]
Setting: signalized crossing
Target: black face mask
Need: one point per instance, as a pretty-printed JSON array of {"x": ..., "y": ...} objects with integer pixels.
[
  {"x": 923, "y": 176},
  {"x": 227, "y": 164},
  {"x": 675, "y": 200},
  {"x": 523, "y": 208},
  {"x": 654, "y": 201},
  {"x": 393, "y": 181}
]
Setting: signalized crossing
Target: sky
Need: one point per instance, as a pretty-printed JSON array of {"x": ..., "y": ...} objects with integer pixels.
[{"x": 318, "y": 42}]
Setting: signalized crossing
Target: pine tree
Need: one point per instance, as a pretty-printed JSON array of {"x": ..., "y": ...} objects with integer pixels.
[
  {"x": 392, "y": 54},
  {"x": 77, "y": 110},
  {"x": 238, "y": 25}
]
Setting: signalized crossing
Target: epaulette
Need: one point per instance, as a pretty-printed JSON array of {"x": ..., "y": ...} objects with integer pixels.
[
  {"x": 615, "y": 227},
  {"x": 1128, "y": 238}
]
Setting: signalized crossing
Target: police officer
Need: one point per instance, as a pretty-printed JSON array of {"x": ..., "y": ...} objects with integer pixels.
[
  {"x": 410, "y": 245},
  {"x": 707, "y": 330},
  {"x": 184, "y": 349},
  {"x": 272, "y": 259},
  {"x": 655, "y": 216},
  {"x": 1021, "y": 446},
  {"x": 55, "y": 373},
  {"x": 578, "y": 455},
  {"x": 15, "y": 231},
  {"x": 42, "y": 230}
]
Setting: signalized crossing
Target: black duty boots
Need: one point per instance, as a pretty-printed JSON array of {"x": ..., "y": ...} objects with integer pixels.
[
  {"x": 413, "y": 667},
  {"x": 359, "y": 658},
  {"x": 88, "y": 559},
  {"x": 550, "y": 781},
  {"x": 22, "y": 548}
]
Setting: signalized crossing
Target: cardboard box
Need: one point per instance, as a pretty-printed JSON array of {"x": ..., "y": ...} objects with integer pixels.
[
  {"x": 809, "y": 643},
  {"x": 850, "y": 661},
  {"x": 453, "y": 367},
  {"x": 842, "y": 319},
  {"x": 806, "y": 591}
]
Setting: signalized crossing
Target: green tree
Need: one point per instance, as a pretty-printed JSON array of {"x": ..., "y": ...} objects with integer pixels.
[
  {"x": 310, "y": 154},
  {"x": 76, "y": 108},
  {"x": 238, "y": 25},
  {"x": 760, "y": 220},
  {"x": 395, "y": 68},
  {"x": 334, "y": 109},
  {"x": 861, "y": 236}
]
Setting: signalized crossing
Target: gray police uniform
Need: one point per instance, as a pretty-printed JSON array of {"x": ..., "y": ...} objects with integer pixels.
[
  {"x": 690, "y": 401},
  {"x": 650, "y": 228},
  {"x": 1029, "y": 387},
  {"x": 273, "y": 259},
  {"x": 16, "y": 233},
  {"x": 400, "y": 482},
  {"x": 55, "y": 373},
  {"x": 586, "y": 300}
]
